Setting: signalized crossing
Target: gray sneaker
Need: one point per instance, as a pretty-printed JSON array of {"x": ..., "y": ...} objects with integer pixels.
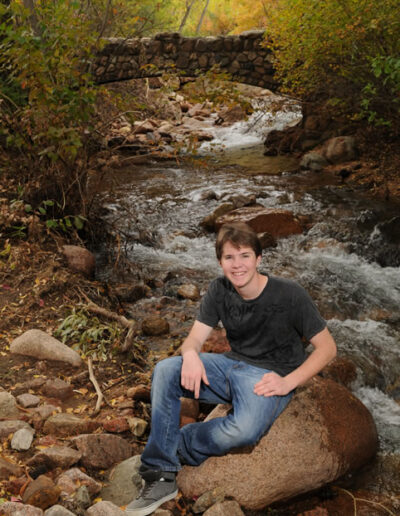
[{"x": 152, "y": 495}]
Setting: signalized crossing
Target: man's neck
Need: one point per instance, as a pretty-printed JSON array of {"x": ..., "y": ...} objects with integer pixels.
[{"x": 253, "y": 290}]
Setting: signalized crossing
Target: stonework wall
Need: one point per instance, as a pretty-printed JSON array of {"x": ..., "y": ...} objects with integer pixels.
[{"x": 241, "y": 56}]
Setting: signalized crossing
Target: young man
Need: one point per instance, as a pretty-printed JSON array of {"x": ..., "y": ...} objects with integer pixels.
[{"x": 266, "y": 319}]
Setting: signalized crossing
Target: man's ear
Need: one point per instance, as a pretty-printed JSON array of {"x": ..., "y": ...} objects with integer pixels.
[{"x": 259, "y": 258}]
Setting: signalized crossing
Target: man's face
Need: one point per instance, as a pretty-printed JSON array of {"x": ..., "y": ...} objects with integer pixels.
[{"x": 239, "y": 265}]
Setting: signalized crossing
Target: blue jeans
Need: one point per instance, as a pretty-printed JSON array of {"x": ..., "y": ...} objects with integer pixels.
[{"x": 231, "y": 381}]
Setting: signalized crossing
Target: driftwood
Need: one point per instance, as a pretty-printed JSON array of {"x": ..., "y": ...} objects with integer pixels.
[
  {"x": 100, "y": 395},
  {"x": 121, "y": 319}
]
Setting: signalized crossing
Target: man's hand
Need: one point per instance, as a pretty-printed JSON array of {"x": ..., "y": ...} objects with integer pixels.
[
  {"x": 271, "y": 384},
  {"x": 193, "y": 372}
]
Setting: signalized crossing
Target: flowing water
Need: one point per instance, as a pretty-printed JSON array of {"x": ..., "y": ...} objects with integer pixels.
[{"x": 348, "y": 260}]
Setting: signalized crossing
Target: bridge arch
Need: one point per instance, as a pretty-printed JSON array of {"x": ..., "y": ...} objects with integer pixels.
[{"x": 242, "y": 56}]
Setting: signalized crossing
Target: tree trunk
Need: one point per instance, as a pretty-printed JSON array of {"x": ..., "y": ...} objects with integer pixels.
[
  {"x": 189, "y": 5},
  {"x": 203, "y": 13},
  {"x": 33, "y": 19}
]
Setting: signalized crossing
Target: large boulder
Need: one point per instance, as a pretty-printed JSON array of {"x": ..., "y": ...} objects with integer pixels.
[
  {"x": 324, "y": 432},
  {"x": 41, "y": 345},
  {"x": 278, "y": 223}
]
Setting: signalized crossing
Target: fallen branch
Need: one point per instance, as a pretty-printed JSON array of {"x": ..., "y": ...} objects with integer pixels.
[{"x": 100, "y": 395}]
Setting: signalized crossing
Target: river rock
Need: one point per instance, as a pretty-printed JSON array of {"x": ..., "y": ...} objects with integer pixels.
[
  {"x": 207, "y": 499},
  {"x": 189, "y": 291},
  {"x": 40, "y": 345},
  {"x": 41, "y": 492},
  {"x": 324, "y": 432},
  {"x": 56, "y": 456},
  {"x": 340, "y": 149},
  {"x": 8, "y": 468},
  {"x": 278, "y": 223},
  {"x": 153, "y": 326},
  {"x": 79, "y": 259},
  {"x": 19, "y": 509},
  {"x": 58, "y": 510},
  {"x": 228, "y": 508},
  {"x": 72, "y": 479},
  {"x": 314, "y": 161},
  {"x": 104, "y": 509},
  {"x": 216, "y": 342},
  {"x": 57, "y": 388},
  {"x": 139, "y": 392},
  {"x": 115, "y": 425},
  {"x": 27, "y": 400},
  {"x": 208, "y": 222},
  {"x": 101, "y": 451},
  {"x": 8, "y": 406},
  {"x": 137, "y": 426},
  {"x": 124, "y": 482},
  {"x": 11, "y": 426},
  {"x": 22, "y": 439}
]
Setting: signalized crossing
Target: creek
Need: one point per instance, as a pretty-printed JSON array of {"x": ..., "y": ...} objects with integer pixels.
[{"x": 348, "y": 260}]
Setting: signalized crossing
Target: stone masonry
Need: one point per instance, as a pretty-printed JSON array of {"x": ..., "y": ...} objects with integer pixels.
[{"x": 242, "y": 56}]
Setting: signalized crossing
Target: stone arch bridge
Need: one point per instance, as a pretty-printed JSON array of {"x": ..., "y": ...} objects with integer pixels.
[{"x": 242, "y": 56}]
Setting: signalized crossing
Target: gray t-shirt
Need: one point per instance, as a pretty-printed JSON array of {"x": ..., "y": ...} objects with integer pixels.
[{"x": 266, "y": 331}]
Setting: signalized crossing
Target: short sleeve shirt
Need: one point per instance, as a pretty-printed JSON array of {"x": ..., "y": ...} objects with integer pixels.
[{"x": 267, "y": 331}]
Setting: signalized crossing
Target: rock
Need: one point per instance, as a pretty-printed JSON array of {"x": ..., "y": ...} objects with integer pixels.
[
  {"x": 340, "y": 149},
  {"x": 27, "y": 400},
  {"x": 144, "y": 127},
  {"x": 208, "y": 499},
  {"x": 342, "y": 370},
  {"x": 266, "y": 240},
  {"x": 325, "y": 431},
  {"x": 137, "y": 426},
  {"x": 71, "y": 480},
  {"x": 229, "y": 115},
  {"x": 22, "y": 439},
  {"x": 9, "y": 427},
  {"x": 57, "y": 388},
  {"x": 313, "y": 161},
  {"x": 208, "y": 222},
  {"x": 41, "y": 492},
  {"x": 278, "y": 223},
  {"x": 58, "y": 510},
  {"x": 19, "y": 509},
  {"x": 216, "y": 342},
  {"x": 45, "y": 411},
  {"x": 79, "y": 259},
  {"x": 8, "y": 406},
  {"x": 153, "y": 326},
  {"x": 139, "y": 392},
  {"x": 104, "y": 509},
  {"x": 65, "y": 425},
  {"x": 101, "y": 451},
  {"x": 82, "y": 497},
  {"x": 40, "y": 345},
  {"x": 131, "y": 293},
  {"x": 190, "y": 408},
  {"x": 124, "y": 482},
  {"x": 56, "y": 456},
  {"x": 228, "y": 508},
  {"x": 7, "y": 469},
  {"x": 116, "y": 425},
  {"x": 189, "y": 291},
  {"x": 163, "y": 512}
]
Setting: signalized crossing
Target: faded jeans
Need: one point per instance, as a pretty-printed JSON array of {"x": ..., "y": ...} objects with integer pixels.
[{"x": 231, "y": 381}]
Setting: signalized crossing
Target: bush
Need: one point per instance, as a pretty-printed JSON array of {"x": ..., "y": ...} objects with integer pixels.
[{"x": 346, "y": 50}]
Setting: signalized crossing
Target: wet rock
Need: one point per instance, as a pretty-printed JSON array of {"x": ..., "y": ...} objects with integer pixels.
[
  {"x": 266, "y": 240},
  {"x": 19, "y": 509},
  {"x": 27, "y": 400},
  {"x": 207, "y": 499},
  {"x": 56, "y": 456},
  {"x": 104, "y": 509},
  {"x": 325, "y": 430},
  {"x": 228, "y": 508},
  {"x": 189, "y": 291},
  {"x": 9, "y": 427},
  {"x": 79, "y": 259},
  {"x": 154, "y": 326},
  {"x": 139, "y": 392},
  {"x": 229, "y": 115},
  {"x": 72, "y": 479},
  {"x": 40, "y": 345},
  {"x": 101, "y": 451},
  {"x": 208, "y": 222},
  {"x": 137, "y": 426},
  {"x": 22, "y": 439},
  {"x": 116, "y": 425},
  {"x": 42, "y": 493},
  {"x": 8, "y": 406},
  {"x": 313, "y": 161},
  {"x": 64, "y": 425},
  {"x": 340, "y": 149},
  {"x": 124, "y": 482},
  {"x": 216, "y": 342},
  {"x": 8, "y": 469},
  {"x": 57, "y": 388},
  {"x": 131, "y": 293},
  {"x": 58, "y": 510},
  {"x": 278, "y": 223}
]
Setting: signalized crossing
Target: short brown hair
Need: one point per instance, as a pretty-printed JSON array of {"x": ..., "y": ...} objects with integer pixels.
[{"x": 239, "y": 234}]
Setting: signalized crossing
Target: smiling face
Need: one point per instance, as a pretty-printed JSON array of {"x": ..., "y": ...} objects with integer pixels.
[{"x": 239, "y": 265}]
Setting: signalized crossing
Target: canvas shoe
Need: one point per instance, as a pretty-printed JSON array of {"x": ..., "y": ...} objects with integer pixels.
[{"x": 152, "y": 495}]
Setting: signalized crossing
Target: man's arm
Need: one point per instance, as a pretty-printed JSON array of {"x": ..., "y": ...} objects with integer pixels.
[
  {"x": 193, "y": 372},
  {"x": 324, "y": 351}
]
